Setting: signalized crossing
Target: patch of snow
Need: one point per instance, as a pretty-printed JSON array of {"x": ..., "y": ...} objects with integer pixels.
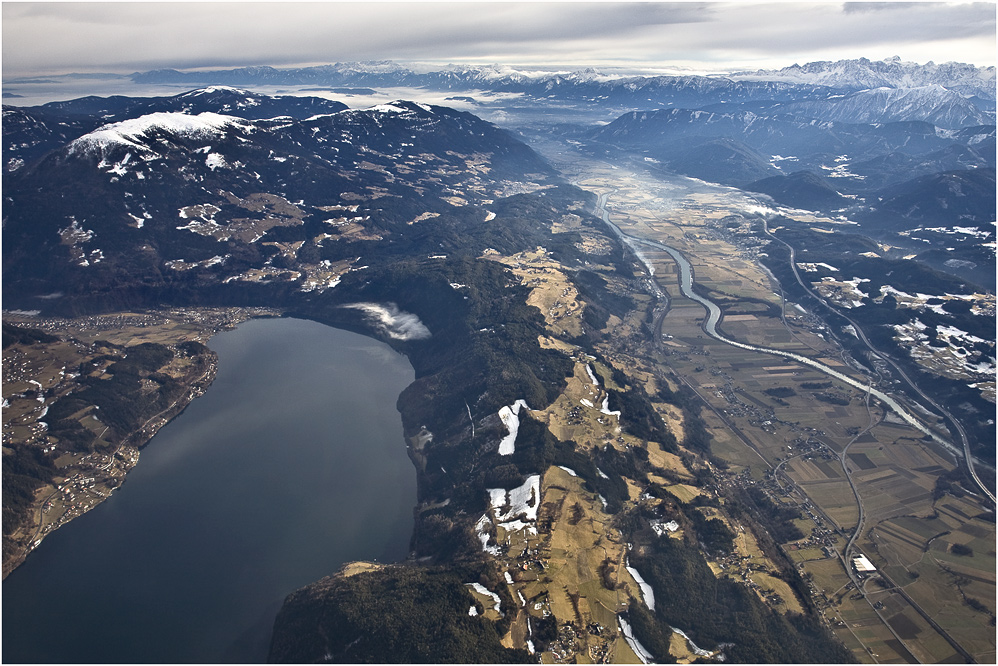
[
  {"x": 523, "y": 500},
  {"x": 604, "y": 409},
  {"x": 510, "y": 418},
  {"x": 484, "y": 537},
  {"x": 647, "y": 595},
  {"x": 636, "y": 646},
  {"x": 215, "y": 161},
  {"x": 592, "y": 375},
  {"x": 759, "y": 210},
  {"x": 700, "y": 652},
  {"x": 481, "y": 589},
  {"x": 571, "y": 472}
]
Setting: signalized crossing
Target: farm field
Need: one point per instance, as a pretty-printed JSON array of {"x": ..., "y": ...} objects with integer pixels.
[{"x": 815, "y": 442}]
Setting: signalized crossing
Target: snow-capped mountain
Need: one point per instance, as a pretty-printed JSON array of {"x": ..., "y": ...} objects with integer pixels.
[
  {"x": 171, "y": 198},
  {"x": 950, "y": 95},
  {"x": 30, "y": 132},
  {"x": 931, "y": 103},
  {"x": 862, "y": 73}
]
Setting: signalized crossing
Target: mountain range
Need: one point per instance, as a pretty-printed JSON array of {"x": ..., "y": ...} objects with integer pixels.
[
  {"x": 166, "y": 198},
  {"x": 950, "y": 95}
]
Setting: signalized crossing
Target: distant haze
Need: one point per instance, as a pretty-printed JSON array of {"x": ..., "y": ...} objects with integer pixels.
[{"x": 50, "y": 38}]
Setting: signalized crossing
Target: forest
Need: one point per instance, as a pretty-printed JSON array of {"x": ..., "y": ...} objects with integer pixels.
[{"x": 398, "y": 614}]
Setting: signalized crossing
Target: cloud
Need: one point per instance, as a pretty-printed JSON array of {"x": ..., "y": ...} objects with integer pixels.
[
  {"x": 391, "y": 321},
  {"x": 42, "y": 37},
  {"x": 863, "y": 7}
]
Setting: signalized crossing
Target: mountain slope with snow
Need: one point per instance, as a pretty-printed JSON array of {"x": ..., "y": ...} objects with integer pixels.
[{"x": 862, "y": 73}]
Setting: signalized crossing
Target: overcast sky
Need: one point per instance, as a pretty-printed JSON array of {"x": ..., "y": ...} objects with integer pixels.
[{"x": 49, "y": 38}]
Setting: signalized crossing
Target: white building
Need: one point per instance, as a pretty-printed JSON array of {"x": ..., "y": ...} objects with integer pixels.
[{"x": 863, "y": 565}]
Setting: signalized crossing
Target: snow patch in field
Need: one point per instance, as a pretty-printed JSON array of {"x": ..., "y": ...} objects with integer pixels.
[
  {"x": 587, "y": 403},
  {"x": 592, "y": 375},
  {"x": 647, "y": 595},
  {"x": 700, "y": 652},
  {"x": 759, "y": 210},
  {"x": 642, "y": 654},
  {"x": 484, "y": 537},
  {"x": 481, "y": 589},
  {"x": 571, "y": 472},
  {"x": 523, "y": 501},
  {"x": 604, "y": 408}
]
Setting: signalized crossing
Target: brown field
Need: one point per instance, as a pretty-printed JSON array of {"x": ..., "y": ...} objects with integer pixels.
[
  {"x": 552, "y": 292},
  {"x": 893, "y": 469}
]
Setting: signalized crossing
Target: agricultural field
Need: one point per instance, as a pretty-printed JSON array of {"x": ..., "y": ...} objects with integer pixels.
[{"x": 848, "y": 464}]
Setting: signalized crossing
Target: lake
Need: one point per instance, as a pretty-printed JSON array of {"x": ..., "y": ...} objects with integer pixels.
[{"x": 291, "y": 464}]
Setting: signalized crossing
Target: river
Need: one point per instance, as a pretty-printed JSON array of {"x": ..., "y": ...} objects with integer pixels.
[
  {"x": 292, "y": 463},
  {"x": 709, "y": 326}
]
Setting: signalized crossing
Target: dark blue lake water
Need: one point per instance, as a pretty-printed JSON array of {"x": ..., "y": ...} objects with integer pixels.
[{"x": 292, "y": 463}]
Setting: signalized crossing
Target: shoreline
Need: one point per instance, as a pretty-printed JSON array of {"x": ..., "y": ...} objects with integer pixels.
[{"x": 84, "y": 481}]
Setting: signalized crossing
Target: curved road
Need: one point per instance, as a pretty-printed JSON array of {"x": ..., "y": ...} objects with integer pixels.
[
  {"x": 968, "y": 458},
  {"x": 709, "y": 327}
]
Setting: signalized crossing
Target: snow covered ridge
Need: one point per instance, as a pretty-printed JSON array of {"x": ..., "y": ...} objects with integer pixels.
[
  {"x": 890, "y": 72},
  {"x": 135, "y": 132}
]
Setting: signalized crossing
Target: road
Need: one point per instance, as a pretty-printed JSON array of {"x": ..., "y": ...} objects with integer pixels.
[
  {"x": 709, "y": 326},
  {"x": 968, "y": 458}
]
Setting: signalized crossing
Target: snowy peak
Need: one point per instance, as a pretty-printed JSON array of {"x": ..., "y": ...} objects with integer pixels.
[
  {"x": 138, "y": 133},
  {"x": 862, "y": 73},
  {"x": 215, "y": 90}
]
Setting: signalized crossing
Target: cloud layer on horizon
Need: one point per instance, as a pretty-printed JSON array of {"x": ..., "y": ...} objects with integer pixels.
[{"x": 44, "y": 37}]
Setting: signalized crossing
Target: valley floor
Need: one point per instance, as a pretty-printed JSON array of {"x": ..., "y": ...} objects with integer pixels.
[{"x": 864, "y": 481}]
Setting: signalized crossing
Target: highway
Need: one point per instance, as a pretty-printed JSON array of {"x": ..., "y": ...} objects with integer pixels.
[{"x": 968, "y": 458}]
